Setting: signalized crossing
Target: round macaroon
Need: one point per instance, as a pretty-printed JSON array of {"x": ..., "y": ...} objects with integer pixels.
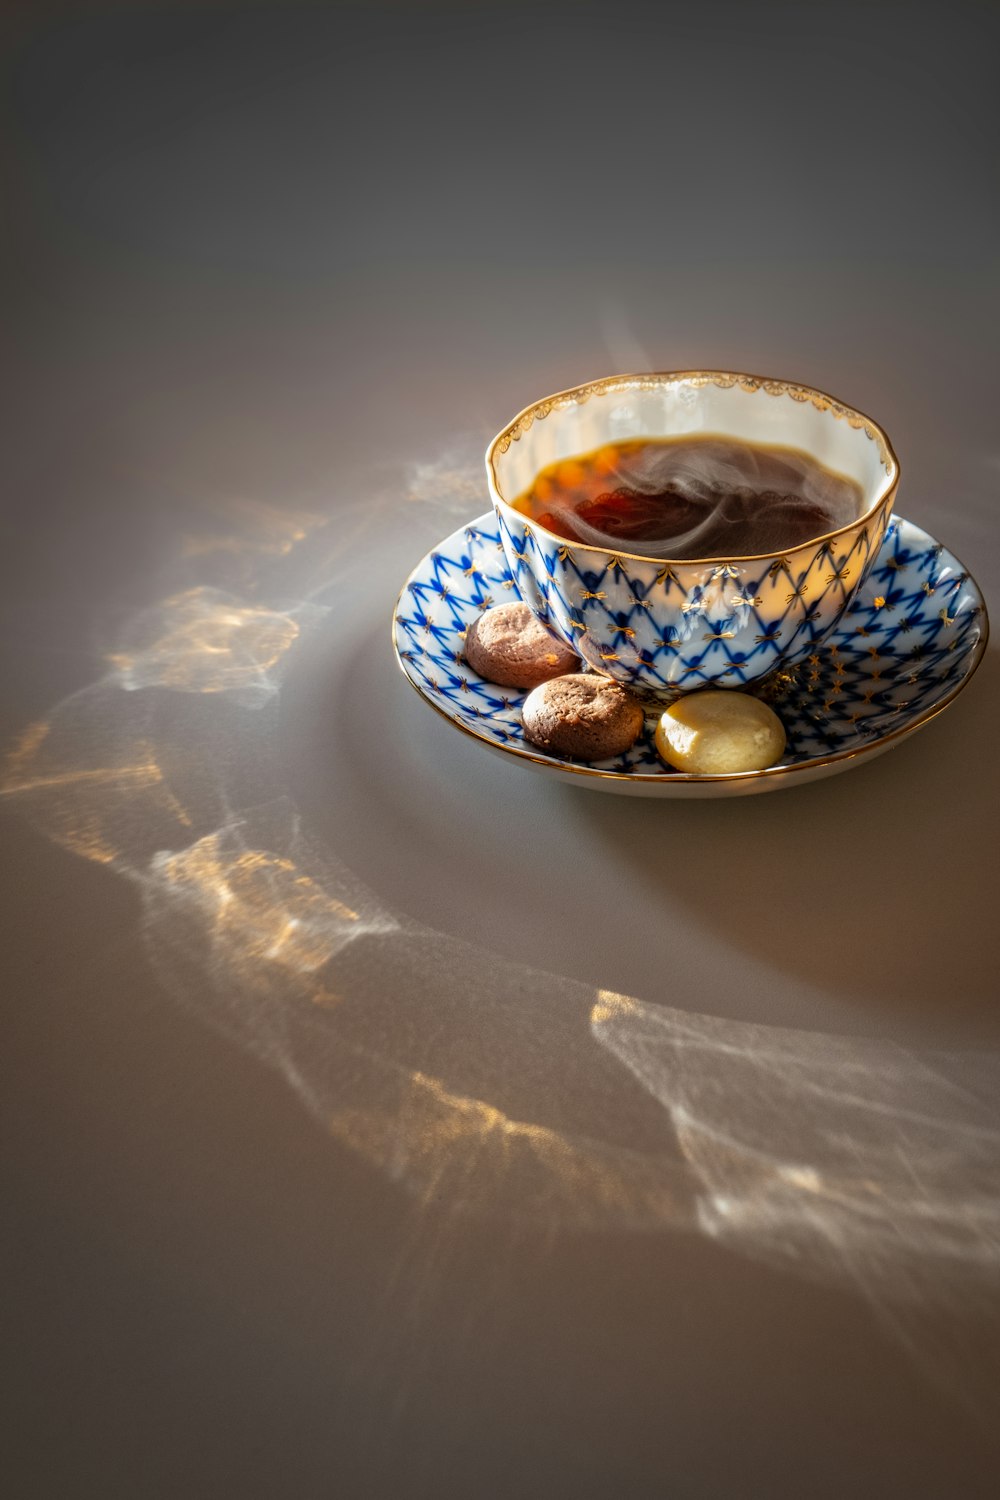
[
  {"x": 719, "y": 732},
  {"x": 583, "y": 716},
  {"x": 509, "y": 645}
]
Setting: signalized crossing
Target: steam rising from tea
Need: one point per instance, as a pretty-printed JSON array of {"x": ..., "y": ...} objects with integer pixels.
[{"x": 693, "y": 497}]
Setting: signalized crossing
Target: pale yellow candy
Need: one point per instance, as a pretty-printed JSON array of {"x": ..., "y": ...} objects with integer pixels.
[{"x": 716, "y": 732}]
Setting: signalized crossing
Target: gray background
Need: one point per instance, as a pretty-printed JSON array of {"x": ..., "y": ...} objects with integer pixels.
[{"x": 275, "y": 275}]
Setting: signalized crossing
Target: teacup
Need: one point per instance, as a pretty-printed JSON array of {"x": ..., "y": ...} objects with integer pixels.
[{"x": 666, "y": 625}]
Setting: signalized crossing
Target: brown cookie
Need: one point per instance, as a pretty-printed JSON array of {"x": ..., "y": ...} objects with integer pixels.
[
  {"x": 509, "y": 645},
  {"x": 583, "y": 715}
]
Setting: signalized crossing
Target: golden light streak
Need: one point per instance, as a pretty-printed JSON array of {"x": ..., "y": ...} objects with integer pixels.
[
  {"x": 260, "y": 907},
  {"x": 203, "y": 642}
]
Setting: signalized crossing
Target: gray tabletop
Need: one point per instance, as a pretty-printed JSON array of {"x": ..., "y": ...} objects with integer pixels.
[{"x": 381, "y": 1117}]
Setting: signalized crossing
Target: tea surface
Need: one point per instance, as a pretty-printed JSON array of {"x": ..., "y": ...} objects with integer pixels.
[{"x": 692, "y": 497}]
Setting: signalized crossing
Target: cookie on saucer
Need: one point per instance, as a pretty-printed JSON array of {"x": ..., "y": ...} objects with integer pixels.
[
  {"x": 509, "y": 645},
  {"x": 719, "y": 732},
  {"x": 583, "y": 716}
]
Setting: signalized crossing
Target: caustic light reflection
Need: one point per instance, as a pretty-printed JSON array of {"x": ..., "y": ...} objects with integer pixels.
[
  {"x": 205, "y": 641},
  {"x": 99, "y": 796},
  {"x": 892, "y": 1170},
  {"x": 474, "y": 1082},
  {"x": 258, "y": 902},
  {"x": 250, "y": 529}
]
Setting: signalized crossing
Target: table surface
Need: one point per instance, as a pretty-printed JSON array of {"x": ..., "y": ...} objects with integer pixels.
[{"x": 380, "y": 1117}]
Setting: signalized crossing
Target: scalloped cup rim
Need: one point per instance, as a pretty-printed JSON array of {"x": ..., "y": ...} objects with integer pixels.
[{"x": 578, "y": 394}]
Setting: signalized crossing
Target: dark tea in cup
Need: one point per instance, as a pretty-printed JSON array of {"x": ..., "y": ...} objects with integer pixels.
[{"x": 692, "y": 497}]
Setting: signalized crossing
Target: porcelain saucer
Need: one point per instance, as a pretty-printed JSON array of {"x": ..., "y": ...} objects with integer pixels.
[{"x": 901, "y": 653}]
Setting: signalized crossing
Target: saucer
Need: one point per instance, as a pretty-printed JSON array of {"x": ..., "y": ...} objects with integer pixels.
[{"x": 905, "y": 648}]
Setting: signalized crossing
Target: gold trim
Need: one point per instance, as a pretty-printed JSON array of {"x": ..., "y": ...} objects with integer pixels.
[
  {"x": 725, "y": 379},
  {"x": 685, "y": 778}
]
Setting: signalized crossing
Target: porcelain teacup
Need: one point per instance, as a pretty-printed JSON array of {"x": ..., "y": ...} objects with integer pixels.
[{"x": 662, "y": 624}]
